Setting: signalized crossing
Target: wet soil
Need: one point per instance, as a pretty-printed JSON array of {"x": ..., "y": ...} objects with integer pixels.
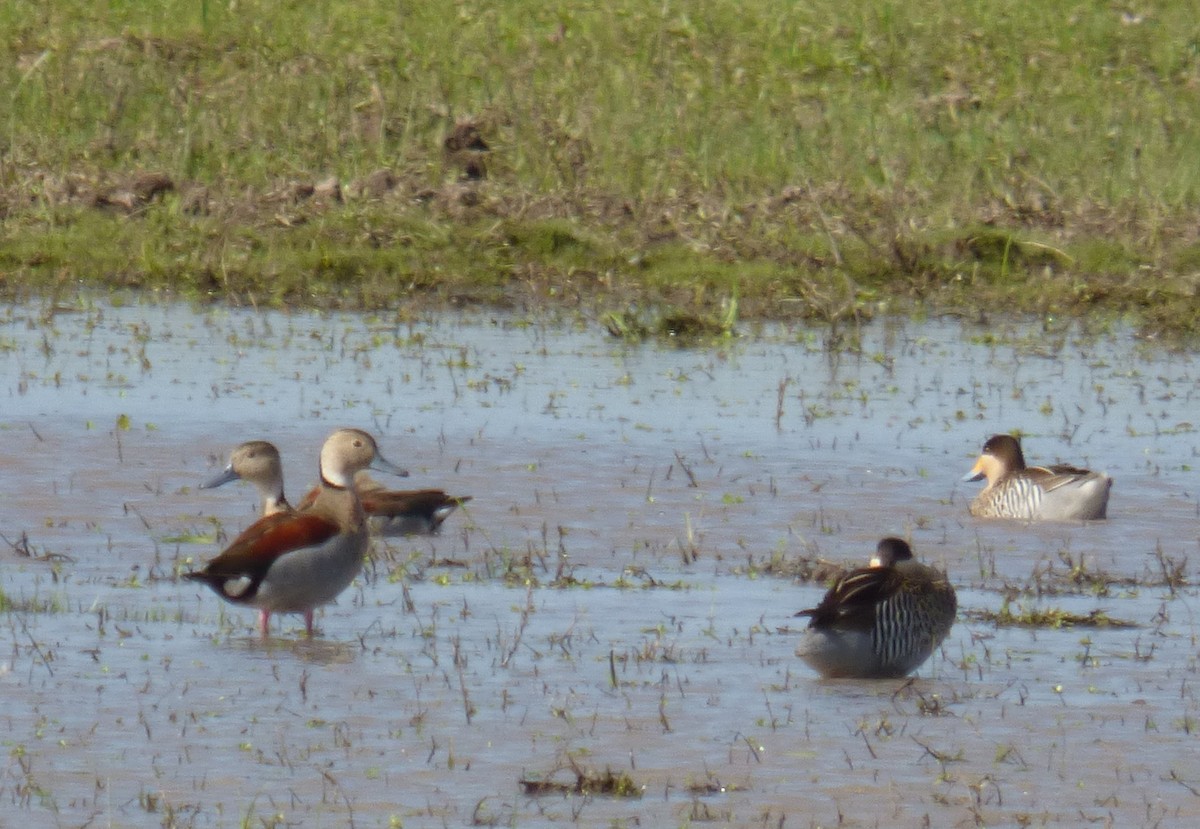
[{"x": 616, "y": 600}]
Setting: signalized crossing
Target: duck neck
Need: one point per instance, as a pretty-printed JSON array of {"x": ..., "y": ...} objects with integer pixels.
[
  {"x": 273, "y": 503},
  {"x": 334, "y": 479}
]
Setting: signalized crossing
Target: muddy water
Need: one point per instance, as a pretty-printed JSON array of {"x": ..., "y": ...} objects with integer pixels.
[{"x": 618, "y": 597}]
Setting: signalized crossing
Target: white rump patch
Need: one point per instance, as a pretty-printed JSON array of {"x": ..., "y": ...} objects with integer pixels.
[{"x": 234, "y": 588}]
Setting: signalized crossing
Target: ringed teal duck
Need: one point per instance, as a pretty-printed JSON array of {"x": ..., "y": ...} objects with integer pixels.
[
  {"x": 258, "y": 462},
  {"x": 402, "y": 511},
  {"x": 405, "y": 511},
  {"x": 880, "y": 621},
  {"x": 1034, "y": 493},
  {"x": 291, "y": 562},
  {"x": 391, "y": 512}
]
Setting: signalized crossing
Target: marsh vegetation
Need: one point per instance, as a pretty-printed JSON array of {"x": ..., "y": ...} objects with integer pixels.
[{"x": 825, "y": 161}]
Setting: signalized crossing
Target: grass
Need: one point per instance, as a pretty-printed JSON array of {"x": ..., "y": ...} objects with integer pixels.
[
  {"x": 953, "y": 156},
  {"x": 1048, "y": 617},
  {"x": 582, "y": 781}
]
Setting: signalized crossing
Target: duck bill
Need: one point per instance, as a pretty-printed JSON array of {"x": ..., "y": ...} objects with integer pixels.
[
  {"x": 976, "y": 473},
  {"x": 227, "y": 475},
  {"x": 382, "y": 464}
]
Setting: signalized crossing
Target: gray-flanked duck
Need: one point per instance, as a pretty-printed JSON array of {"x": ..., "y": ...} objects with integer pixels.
[
  {"x": 1034, "y": 493},
  {"x": 294, "y": 561},
  {"x": 393, "y": 512},
  {"x": 879, "y": 621}
]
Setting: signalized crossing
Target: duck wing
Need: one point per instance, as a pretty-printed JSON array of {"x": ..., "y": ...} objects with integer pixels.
[{"x": 852, "y": 600}]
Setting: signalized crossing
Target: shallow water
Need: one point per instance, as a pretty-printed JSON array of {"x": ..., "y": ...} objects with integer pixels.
[{"x": 617, "y": 595}]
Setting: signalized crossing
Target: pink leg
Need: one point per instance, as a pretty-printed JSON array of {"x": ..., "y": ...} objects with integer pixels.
[
  {"x": 264, "y": 623},
  {"x": 308, "y": 622}
]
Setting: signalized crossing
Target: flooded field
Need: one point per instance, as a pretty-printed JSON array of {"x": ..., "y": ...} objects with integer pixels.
[{"x": 604, "y": 636}]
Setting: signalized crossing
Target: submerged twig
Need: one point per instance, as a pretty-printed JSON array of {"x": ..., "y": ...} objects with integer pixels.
[{"x": 686, "y": 470}]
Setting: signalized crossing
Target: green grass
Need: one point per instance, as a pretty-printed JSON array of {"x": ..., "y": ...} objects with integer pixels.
[
  {"x": 681, "y": 153},
  {"x": 1051, "y": 617}
]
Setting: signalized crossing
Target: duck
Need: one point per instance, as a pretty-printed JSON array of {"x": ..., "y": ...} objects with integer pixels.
[
  {"x": 258, "y": 462},
  {"x": 294, "y": 561},
  {"x": 400, "y": 512},
  {"x": 390, "y": 512},
  {"x": 881, "y": 621},
  {"x": 1035, "y": 493}
]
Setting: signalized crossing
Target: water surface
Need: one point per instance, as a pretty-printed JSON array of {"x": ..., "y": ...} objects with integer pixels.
[{"x": 619, "y": 595}]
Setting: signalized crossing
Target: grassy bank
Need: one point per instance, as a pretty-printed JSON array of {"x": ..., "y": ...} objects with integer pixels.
[{"x": 821, "y": 161}]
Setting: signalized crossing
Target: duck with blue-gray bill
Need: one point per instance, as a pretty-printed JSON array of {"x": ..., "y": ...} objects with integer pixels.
[
  {"x": 389, "y": 511},
  {"x": 292, "y": 561}
]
